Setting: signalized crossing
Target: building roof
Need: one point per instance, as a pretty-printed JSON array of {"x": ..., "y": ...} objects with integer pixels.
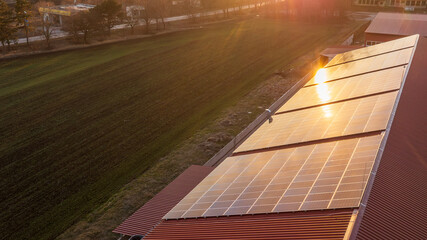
[
  {"x": 351, "y": 142},
  {"x": 396, "y": 206},
  {"x": 150, "y": 214},
  {"x": 402, "y": 24},
  {"x": 319, "y": 150},
  {"x": 329, "y": 224}
]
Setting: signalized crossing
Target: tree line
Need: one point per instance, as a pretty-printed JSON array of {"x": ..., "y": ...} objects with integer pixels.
[
  {"x": 109, "y": 13},
  {"x": 13, "y": 19},
  {"x": 100, "y": 20}
]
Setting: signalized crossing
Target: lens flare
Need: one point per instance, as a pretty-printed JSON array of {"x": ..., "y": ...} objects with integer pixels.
[
  {"x": 321, "y": 76},
  {"x": 323, "y": 91}
]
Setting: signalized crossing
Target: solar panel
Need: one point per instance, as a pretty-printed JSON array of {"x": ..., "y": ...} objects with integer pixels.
[
  {"x": 362, "y": 66},
  {"x": 357, "y": 86},
  {"x": 333, "y": 120},
  {"x": 321, "y": 176},
  {"x": 373, "y": 50}
]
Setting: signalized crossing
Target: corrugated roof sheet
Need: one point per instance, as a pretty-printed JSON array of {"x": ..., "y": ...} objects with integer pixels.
[
  {"x": 328, "y": 224},
  {"x": 399, "y": 24},
  {"x": 152, "y": 212},
  {"x": 397, "y": 203}
]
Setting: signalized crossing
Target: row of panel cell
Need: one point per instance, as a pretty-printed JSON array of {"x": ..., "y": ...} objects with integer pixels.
[
  {"x": 372, "y": 51},
  {"x": 357, "y": 86},
  {"x": 381, "y": 62},
  {"x": 306, "y": 175},
  {"x": 316, "y": 123}
]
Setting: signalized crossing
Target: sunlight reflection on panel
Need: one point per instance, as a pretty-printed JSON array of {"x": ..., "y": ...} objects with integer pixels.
[
  {"x": 332, "y": 120},
  {"x": 363, "y": 85},
  {"x": 362, "y": 66},
  {"x": 327, "y": 110},
  {"x": 374, "y": 50},
  {"x": 321, "y": 76}
]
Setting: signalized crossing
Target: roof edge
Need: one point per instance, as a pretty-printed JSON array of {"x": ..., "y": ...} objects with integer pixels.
[{"x": 377, "y": 162}]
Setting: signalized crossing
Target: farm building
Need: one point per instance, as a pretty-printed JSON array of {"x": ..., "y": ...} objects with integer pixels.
[
  {"x": 407, "y": 5},
  {"x": 343, "y": 158},
  {"x": 390, "y": 26}
]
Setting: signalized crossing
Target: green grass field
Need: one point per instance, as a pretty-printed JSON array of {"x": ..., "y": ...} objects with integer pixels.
[{"x": 77, "y": 126}]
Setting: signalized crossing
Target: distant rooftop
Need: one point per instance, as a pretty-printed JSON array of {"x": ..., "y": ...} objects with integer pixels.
[{"x": 402, "y": 24}]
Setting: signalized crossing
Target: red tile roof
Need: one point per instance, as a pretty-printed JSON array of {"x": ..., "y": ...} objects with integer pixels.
[
  {"x": 152, "y": 212},
  {"x": 396, "y": 206},
  {"x": 403, "y": 24},
  {"x": 327, "y": 224}
]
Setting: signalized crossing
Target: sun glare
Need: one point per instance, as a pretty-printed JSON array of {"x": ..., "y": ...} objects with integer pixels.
[
  {"x": 320, "y": 76},
  {"x": 323, "y": 91}
]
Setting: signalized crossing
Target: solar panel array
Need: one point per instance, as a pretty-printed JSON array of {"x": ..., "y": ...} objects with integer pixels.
[
  {"x": 380, "y": 49},
  {"x": 388, "y": 60},
  {"x": 353, "y": 87},
  {"x": 321, "y": 176},
  {"x": 319, "y": 150},
  {"x": 334, "y": 120}
]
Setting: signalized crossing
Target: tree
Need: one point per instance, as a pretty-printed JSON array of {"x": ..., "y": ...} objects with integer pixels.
[
  {"x": 22, "y": 15},
  {"x": 83, "y": 23},
  {"x": 7, "y": 28},
  {"x": 148, "y": 14},
  {"x": 132, "y": 16},
  {"x": 161, "y": 9},
  {"x": 109, "y": 12},
  {"x": 46, "y": 29},
  {"x": 190, "y": 8},
  {"x": 70, "y": 25},
  {"x": 206, "y": 5},
  {"x": 224, "y": 5}
]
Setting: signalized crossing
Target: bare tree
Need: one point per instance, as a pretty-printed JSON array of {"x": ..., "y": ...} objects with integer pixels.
[
  {"x": 131, "y": 17},
  {"x": 206, "y": 5},
  {"x": 223, "y": 5},
  {"x": 148, "y": 14},
  {"x": 191, "y": 8},
  {"x": 47, "y": 29},
  {"x": 82, "y": 24},
  {"x": 162, "y": 9}
]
